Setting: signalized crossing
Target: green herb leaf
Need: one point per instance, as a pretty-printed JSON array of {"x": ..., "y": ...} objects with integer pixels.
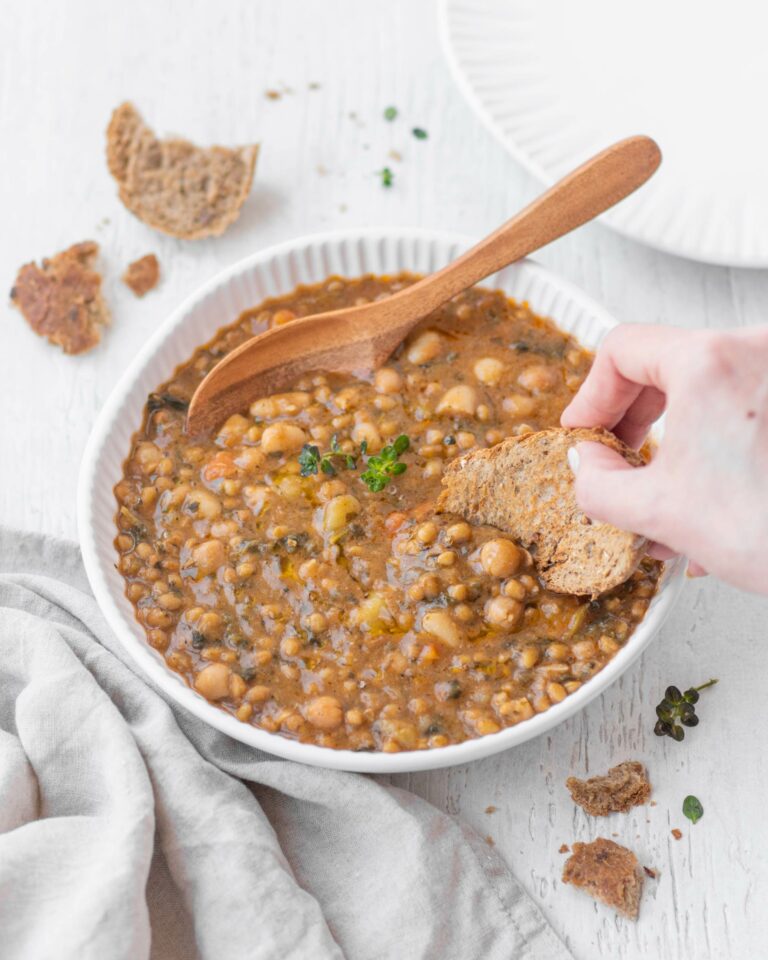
[
  {"x": 693, "y": 809},
  {"x": 387, "y": 177},
  {"x": 309, "y": 459},
  {"x": 390, "y": 113},
  {"x": 419, "y": 133},
  {"x": 677, "y": 710},
  {"x": 381, "y": 469}
]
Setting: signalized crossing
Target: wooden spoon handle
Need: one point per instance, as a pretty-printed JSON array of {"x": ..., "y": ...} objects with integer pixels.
[{"x": 590, "y": 190}]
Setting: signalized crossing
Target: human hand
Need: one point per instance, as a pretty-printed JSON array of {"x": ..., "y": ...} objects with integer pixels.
[{"x": 705, "y": 493}]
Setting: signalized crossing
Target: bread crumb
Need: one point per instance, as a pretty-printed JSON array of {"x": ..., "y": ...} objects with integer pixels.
[
  {"x": 564, "y": 848},
  {"x": 650, "y": 873},
  {"x": 272, "y": 94},
  {"x": 61, "y": 300},
  {"x": 395, "y": 155},
  {"x": 143, "y": 274},
  {"x": 608, "y": 872},
  {"x": 677, "y": 834},
  {"x": 623, "y": 787},
  {"x": 491, "y": 809},
  {"x": 490, "y": 841}
]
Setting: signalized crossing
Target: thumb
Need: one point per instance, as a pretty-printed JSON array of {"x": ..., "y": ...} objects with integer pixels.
[{"x": 610, "y": 489}]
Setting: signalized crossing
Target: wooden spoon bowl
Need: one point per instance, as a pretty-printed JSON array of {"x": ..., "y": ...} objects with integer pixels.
[{"x": 359, "y": 339}]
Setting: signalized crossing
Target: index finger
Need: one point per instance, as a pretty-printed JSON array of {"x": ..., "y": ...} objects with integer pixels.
[{"x": 630, "y": 359}]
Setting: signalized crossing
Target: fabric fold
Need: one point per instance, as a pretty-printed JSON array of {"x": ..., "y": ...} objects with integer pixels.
[{"x": 130, "y": 829}]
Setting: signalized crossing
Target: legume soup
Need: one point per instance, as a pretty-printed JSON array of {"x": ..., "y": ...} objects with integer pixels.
[{"x": 292, "y": 568}]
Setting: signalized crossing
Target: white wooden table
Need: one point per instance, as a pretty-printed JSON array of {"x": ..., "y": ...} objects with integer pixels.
[{"x": 201, "y": 68}]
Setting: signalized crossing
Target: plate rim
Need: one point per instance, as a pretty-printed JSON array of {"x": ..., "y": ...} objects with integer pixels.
[
  {"x": 544, "y": 177},
  {"x": 131, "y": 636}
]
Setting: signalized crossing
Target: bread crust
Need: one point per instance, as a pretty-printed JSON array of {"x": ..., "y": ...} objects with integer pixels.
[
  {"x": 524, "y": 486},
  {"x": 174, "y": 186}
]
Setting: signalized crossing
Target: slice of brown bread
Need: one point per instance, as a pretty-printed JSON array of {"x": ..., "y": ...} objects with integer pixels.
[
  {"x": 61, "y": 299},
  {"x": 623, "y": 787},
  {"x": 174, "y": 186},
  {"x": 524, "y": 486},
  {"x": 608, "y": 872}
]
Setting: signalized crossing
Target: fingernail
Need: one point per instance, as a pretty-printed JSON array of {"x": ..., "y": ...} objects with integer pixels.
[{"x": 573, "y": 459}]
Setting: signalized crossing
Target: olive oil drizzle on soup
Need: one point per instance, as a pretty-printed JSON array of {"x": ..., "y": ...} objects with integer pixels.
[{"x": 317, "y": 608}]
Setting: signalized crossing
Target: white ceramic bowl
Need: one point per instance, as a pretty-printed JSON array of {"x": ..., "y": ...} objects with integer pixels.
[{"x": 265, "y": 274}]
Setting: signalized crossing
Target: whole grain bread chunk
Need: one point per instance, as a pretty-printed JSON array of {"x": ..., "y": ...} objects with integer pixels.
[
  {"x": 142, "y": 275},
  {"x": 61, "y": 299},
  {"x": 524, "y": 486},
  {"x": 174, "y": 186},
  {"x": 623, "y": 787},
  {"x": 608, "y": 872}
]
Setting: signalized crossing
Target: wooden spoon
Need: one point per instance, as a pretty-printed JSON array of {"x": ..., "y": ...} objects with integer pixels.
[{"x": 359, "y": 339}]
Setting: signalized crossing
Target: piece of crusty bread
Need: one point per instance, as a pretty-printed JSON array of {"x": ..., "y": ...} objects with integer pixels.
[
  {"x": 608, "y": 872},
  {"x": 524, "y": 486},
  {"x": 623, "y": 787},
  {"x": 174, "y": 186},
  {"x": 62, "y": 299}
]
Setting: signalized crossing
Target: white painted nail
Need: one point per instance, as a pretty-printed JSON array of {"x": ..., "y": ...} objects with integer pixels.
[{"x": 573, "y": 459}]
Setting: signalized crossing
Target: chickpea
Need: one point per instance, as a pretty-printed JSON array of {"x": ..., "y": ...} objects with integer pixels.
[
  {"x": 458, "y": 591},
  {"x": 517, "y": 405},
  {"x": 316, "y": 623},
  {"x": 330, "y": 489},
  {"x": 233, "y": 430},
  {"x": 503, "y": 612},
  {"x": 431, "y": 585},
  {"x": 607, "y": 644},
  {"x": 325, "y": 713},
  {"x": 213, "y": 681},
  {"x": 283, "y": 316},
  {"x": 440, "y": 625},
  {"x": 516, "y": 710},
  {"x": 433, "y": 468},
  {"x": 425, "y": 347},
  {"x": 208, "y": 557},
  {"x": 169, "y": 601},
  {"x": 447, "y": 558},
  {"x": 258, "y": 694},
  {"x": 556, "y": 692},
  {"x": 387, "y": 380},
  {"x": 500, "y": 557},
  {"x": 202, "y": 504},
  {"x": 465, "y": 440},
  {"x": 514, "y": 589},
  {"x": 427, "y": 533},
  {"x": 584, "y": 649},
  {"x": 148, "y": 456},
  {"x": 367, "y": 433},
  {"x": 282, "y": 438},
  {"x": 488, "y": 370},
  {"x": 337, "y": 512},
  {"x": 558, "y": 651},
  {"x": 458, "y": 532},
  {"x": 538, "y": 378},
  {"x": 244, "y": 712},
  {"x": 529, "y": 657},
  {"x": 460, "y": 400}
]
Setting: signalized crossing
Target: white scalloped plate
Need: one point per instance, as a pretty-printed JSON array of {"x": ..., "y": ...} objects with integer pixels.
[
  {"x": 265, "y": 274},
  {"x": 557, "y": 81}
]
